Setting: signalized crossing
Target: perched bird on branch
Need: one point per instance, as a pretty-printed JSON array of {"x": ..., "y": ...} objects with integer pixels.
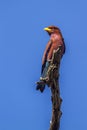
[{"x": 56, "y": 41}]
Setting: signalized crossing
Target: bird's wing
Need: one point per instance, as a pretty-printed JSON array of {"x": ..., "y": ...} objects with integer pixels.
[
  {"x": 44, "y": 58},
  {"x": 64, "y": 46}
]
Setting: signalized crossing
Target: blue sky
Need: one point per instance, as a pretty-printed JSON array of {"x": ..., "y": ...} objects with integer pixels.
[{"x": 22, "y": 42}]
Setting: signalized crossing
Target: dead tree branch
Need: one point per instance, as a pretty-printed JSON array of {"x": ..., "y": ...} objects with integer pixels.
[{"x": 53, "y": 73}]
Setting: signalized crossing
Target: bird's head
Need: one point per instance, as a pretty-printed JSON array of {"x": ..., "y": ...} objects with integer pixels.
[{"x": 52, "y": 29}]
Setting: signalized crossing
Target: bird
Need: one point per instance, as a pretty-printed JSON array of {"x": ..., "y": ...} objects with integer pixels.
[{"x": 56, "y": 41}]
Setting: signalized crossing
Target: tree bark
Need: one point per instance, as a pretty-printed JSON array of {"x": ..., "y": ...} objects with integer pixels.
[
  {"x": 53, "y": 83},
  {"x": 56, "y": 103}
]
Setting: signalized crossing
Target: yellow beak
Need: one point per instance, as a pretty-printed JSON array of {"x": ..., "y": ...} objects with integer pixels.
[{"x": 47, "y": 29}]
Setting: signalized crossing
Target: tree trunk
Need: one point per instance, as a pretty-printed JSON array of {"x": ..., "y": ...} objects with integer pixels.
[
  {"x": 53, "y": 73},
  {"x": 56, "y": 103}
]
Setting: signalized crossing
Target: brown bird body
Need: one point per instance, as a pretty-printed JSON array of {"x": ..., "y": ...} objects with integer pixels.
[{"x": 56, "y": 41}]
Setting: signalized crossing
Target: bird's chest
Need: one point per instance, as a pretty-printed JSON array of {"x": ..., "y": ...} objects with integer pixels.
[
  {"x": 56, "y": 44},
  {"x": 56, "y": 41}
]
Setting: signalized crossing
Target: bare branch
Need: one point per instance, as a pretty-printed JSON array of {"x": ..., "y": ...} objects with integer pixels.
[{"x": 53, "y": 73}]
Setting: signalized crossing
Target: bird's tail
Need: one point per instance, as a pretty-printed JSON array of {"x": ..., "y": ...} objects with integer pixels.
[{"x": 40, "y": 87}]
